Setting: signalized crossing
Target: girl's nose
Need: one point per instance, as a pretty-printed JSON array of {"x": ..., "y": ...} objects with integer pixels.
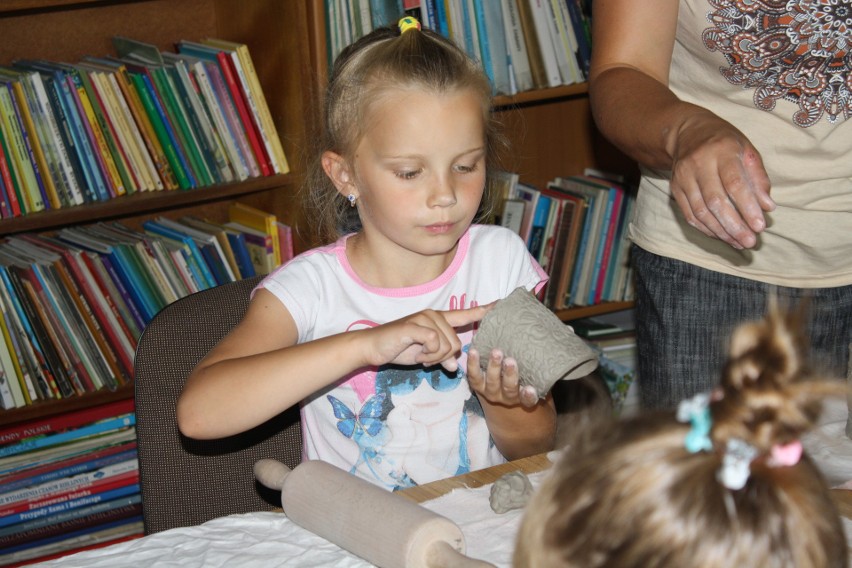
[{"x": 443, "y": 193}]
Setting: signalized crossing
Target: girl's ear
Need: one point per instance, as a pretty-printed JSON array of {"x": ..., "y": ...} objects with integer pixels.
[{"x": 338, "y": 172}]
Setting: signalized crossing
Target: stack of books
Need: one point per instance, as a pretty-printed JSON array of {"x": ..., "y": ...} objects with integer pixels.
[
  {"x": 521, "y": 44},
  {"x": 576, "y": 229},
  {"x": 69, "y": 482},
  {"x": 613, "y": 337},
  {"x": 73, "y": 305},
  {"x": 141, "y": 120}
]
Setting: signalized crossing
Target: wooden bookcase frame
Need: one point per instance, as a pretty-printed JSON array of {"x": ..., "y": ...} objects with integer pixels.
[{"x": 551, "y": 130}]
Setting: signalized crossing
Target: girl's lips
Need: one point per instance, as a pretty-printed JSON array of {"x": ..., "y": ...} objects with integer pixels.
[{"x": 440, "y": 228}]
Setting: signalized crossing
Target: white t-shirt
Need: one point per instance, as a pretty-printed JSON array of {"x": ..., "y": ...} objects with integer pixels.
[
  {"x": 780, "y": 74},
  {"x": 399, "y": 426}
]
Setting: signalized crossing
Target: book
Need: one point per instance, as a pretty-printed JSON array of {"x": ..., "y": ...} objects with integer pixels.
[
  {"x": 84, "y": 480},
  {"x": 520, "y": 73},
  {"x": 69, "y": 467},
  {"x": 48, "y": 521},
  {"x": 257, "y": 99},
  {"x": 92, "y": 300},
  {"x": 535, "y": 241},
  {"x": 512, "y": 214},
  {"x": 285, "y": 241},
  {"x": 36, "y": 458},
  {"x": 593, "y": 221},
  {"x": 229, "y": 94},
  {"x": 73, "y": 500},
  {"x": 225, "y": 136},
  {"x": 259, "y": 220},
  {"x": 151, "y": 151},
  {"x": 41, "y": 330},
  {"x": 11, "y": 188},
  {"x": 67, "y": 105},
  {"x": 30, "y": 196},
  {"x": 543, "y": 34},
  {"x": 40, "y": 137},
  {"x": 165, "y": 135},
  {"x": 538, "y": 72},
  {"x": 565, "y": 249},
  {"x": 113, "y": 183},
  {"x": 114, "y": 153},
  {"x": 113, "y": 276},
  {"x": 119, "y": 121},
  {"x": 529, "y": 195},
  {"x": 258, "y": 245},
  {"x": 20, "y": 391},
  {"x": 81, "y": 335},
  {"x": 93, "y": 429},
  {"x": 209, "y": 139},
  {"x": 106, "y": 534},
  {"x": 210, "y": 249},
  {"x": 193, "y": 254},
  {"x": 30, "y": 357},
  {"x": 66, "y": 170},
  {"x": 70, "y": 524},
  {"x": 128, "y": 264},
  {"x": 564, "y": 43}
]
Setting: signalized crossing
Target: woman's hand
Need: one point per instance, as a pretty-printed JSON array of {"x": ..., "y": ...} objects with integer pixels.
[
  {"x": 718, "y": 180},
  {"x": 500, "y": 382},
  {"x": 426, "y": 338}
]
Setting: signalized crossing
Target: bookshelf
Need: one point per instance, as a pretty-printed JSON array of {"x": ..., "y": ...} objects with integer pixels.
[
  {"x": 281, "y": 37},
  {"x": 551, "y": 130}
]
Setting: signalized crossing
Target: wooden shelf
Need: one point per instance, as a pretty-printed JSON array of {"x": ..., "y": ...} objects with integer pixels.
[
  {"x": 148, "y": 202},
  {"x": 589, "y": 311},
  {"x": 48, "y": 408}
]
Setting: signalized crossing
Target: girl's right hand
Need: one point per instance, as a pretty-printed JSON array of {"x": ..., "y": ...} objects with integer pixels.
[{"x": 425, "y": 338}]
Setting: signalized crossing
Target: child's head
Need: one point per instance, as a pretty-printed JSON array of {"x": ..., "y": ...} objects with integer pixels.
[
  {"x": 365, "y": 77},
  {"x": 726, "y": 489}
]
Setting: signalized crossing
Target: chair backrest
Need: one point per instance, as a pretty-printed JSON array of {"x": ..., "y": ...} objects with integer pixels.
[{"x": 186, "y": 482}]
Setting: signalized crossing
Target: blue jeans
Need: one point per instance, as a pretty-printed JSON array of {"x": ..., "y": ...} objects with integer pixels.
[{"x": 685, "y": 316}]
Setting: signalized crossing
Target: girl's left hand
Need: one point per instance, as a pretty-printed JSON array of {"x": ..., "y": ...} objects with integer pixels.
[{"x": 499, "y": 383}]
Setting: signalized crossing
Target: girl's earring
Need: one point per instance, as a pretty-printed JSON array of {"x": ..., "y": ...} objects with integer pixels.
[{"x": 351, "y": 197}]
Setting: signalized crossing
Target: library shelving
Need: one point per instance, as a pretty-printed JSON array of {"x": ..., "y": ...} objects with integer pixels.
[{"x": 551, "y": 130}]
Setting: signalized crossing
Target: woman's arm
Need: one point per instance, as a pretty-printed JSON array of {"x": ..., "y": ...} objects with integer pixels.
[{"x": 718, "y": 179}]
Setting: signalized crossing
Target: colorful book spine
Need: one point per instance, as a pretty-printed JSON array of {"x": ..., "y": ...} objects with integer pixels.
[{"x": 94, "y": 429}]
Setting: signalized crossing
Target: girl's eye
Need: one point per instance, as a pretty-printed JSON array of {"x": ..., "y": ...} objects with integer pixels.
[
  {"x": 408, "y": 174},
  {"x": 467, "y": 169}
]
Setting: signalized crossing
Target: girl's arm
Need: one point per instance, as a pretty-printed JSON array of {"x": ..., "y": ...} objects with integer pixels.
[
  {"x": 520, "y": 424},
  {"x": 258, "y": 370},
  {"x": 718, "y": 179}
]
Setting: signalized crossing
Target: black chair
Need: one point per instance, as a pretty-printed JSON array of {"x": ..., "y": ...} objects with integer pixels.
[{"x": 187, "y": 482}]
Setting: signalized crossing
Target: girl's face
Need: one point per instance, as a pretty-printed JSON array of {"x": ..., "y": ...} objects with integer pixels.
[{"x": 419, "y": 171}]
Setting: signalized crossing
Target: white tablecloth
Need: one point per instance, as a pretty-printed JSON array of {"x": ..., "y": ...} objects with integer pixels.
[{"x": 270, "y": 539}]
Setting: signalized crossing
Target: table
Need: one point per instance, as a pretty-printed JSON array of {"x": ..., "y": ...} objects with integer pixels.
[
  {"x": 435, "y": 489},
  {"x": 267, "y": 539}
]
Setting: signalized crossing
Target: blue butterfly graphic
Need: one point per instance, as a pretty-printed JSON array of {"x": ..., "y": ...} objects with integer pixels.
[{"x": 368, "y": 420}]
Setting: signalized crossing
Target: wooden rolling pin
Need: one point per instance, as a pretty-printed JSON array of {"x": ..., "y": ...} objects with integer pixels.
[{"x": 385, "y": 529}]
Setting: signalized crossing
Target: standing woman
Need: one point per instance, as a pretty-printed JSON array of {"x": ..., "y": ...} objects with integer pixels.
[{"x": 739, "y": 116}]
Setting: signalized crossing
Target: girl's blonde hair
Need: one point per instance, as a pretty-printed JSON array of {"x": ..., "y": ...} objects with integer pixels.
[
  {"x": 634, "y": 496},
  {"x": 380, "y": 61}
]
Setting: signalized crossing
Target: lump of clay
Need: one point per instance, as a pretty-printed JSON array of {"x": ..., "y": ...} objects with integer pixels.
[
  {"x": 545, "y": 349},
  {"x": 512, "y": 491}
]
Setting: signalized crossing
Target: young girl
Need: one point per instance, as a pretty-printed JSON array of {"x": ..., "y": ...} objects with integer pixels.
[
  {"x": 371, "y": 332},
  {"x": 727, "y": 487}
]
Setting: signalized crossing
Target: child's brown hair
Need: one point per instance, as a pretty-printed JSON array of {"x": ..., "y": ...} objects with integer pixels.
[
  {"x": 362, "y": 74},
  {"x": 635, "y": 496}
]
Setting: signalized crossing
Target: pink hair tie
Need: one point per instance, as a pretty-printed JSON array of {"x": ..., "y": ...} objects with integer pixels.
[{"x": 786, "y": 455}]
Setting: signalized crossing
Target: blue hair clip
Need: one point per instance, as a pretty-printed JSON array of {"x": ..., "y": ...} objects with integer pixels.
[{"x": 696, "y": 411}]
